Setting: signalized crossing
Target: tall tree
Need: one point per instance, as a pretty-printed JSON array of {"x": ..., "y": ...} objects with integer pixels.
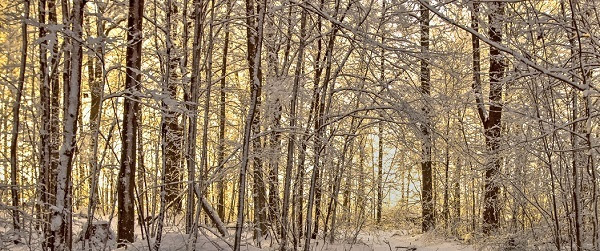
[
  {"x": 427, "y": 200},
  {"x": 222, "y": 116},
  {"x": 61, "y": 219},
  {"x": 379, "y": 173},
  {"x": 172, "y": 132},
  {"x": 254, "y": 35},
  {"x": 16, "y": 112},
  {"x": 49, "y": 131},
  {"x": 192, "y": 101},
  {"x": 492, "y": 123},
  {"x": 45, "y": 186},
  {"x": 96, "y": 79},
  {"x": 292, "y": 138},
  {"x": 126, "y": 180},
  {"x": 255, "y": 22},
  {"x": 169, "y": 133}
]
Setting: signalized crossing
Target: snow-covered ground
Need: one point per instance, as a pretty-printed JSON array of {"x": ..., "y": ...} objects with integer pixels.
[
  {"x": 375, "y": 241},
  {"x": 175, "y": 239}
]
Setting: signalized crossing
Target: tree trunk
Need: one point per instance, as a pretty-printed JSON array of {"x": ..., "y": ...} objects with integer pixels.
[
  {"x": 172, "y": 131},
  {"x": 169, "y": 135},
  {"x": 292, "y": 138},
  {"x": 273, "y": 114},
  {"x": 16, "y": 112},
  {"x": 61, "y": 219},
  {"x": 254, "y": 46},
  {"x": 193, "y": 108},
  {"x": 255, "y": 37},
  {"x": 96, "y": 79},
  {"x": 492, "y": 126},
  {"x": 222, "y": 117},
  {"x": 53, "y": 141},
  {"x": 426, "y": 167},
  {"x": 47, "y": 176},
  {"x": 380, "y": 173},
  {"x": 126, "y": 180}
]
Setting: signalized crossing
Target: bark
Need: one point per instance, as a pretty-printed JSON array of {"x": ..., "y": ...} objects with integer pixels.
[
  {"x": 169, "y": 135},
  {"x": 259, "y": 195},
  {"x": 492, "y": 126},
  {"x": 47, "y": 177},
  {"x": 96, "y": 79},
  {"x": 14, "y": 186},
  {"x": 273, "y": 114},
  {"x": 51, "y": 151},
  {"x": 577, "y": 158},
  {"x": 204, "y": 153},
  {"x": 172, "y": 130},
  {"x": 254, "y": 46},
  {"x": 222, "y": 116},
  {"x": 255, "y": 37},
  {"x": 292, "y": 138},
  {"x": 457, "y": 196},
  {"x": 446, "y": 205},
  {"x": 319, "y": 129},
  {"x": 192, "y": 106},
  {"x": 427, "y": 200},
  {"x": 126, "y": 179},
  {"x": 380, "y": 174},
  {"x": 213, "y": 215},
  {"x": 303, "y": 147},
  {"x": 61, "y": 219}
]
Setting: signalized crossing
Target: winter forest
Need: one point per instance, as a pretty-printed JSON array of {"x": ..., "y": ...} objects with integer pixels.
[{"x": 299, "y": 125}]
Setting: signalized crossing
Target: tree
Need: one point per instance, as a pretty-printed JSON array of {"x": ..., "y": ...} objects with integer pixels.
[
  {"x": 192, "y": 106},
  {"x": 61, "y": 219},
  {"x": 172, "y": 132},
  {"x": 222, "y": 116},
  {"x": 126, "y": 180},
  {"x": 255, "y": 38},
  {"x": 492, "y": 122},
  {"x": 15, "y": 129},
  {"x": 427, "y": 191},
  {"x": 254, "y": 46},
  {"x": 292, "y": 138}
]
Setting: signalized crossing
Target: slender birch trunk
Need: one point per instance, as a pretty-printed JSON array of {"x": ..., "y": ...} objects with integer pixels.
[{"x": 61, "y": 219}]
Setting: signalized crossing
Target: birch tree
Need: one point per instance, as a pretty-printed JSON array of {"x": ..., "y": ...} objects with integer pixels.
[{"x": 61, "y": 219}]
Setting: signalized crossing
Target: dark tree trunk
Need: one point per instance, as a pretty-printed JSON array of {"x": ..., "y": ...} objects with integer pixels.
[
  {"x": 14, "y": 189},
  {"x": 126, "y": 180},
  {"x": 54, "y": 113},
  {"x": 380, "y": 174},
  {"x": 426, "y": 165},
  {"x": 192, "y": 106},
  {"x": 292, "y": 138},
  {"x": 254, "y": 33},
  {"x": 492, "y": 125},
  {"x": 46, "y": 180},
  {"x": 172, "y": 132},
  {"x": 222, "y": 117}
]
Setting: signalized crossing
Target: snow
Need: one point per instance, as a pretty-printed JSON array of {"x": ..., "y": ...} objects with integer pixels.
[
  {"x": 395, "y": 240},
  {"x": 175, "y": 239},
  {"x": 375, "y": 241}
]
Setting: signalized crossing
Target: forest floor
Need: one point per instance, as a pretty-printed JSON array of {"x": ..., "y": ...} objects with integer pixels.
[
  {"x": 371, "y": 241},
  {"x": 174, "y": 239},
  {"x": 375, "y": 241}
]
